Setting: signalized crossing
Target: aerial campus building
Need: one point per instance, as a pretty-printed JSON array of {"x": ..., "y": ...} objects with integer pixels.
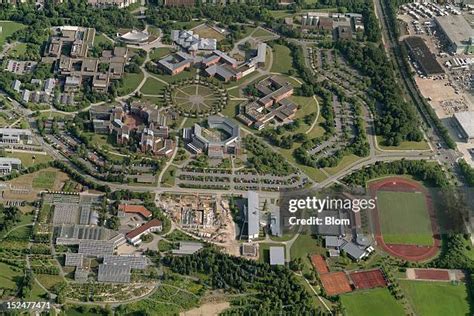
[
  {"x": 68, "y": 48},
  {"x": 7, "y": 165},
  {"x": 465, "y": 122},
  {"x": 192, "y": 42},
  {"x": 134, "y": 236},
  {"x": 215, "y": 64},
  {"x": 139, "y": 118},
  {"x": 15, "y": 136},
  {"x": 252, "y": 215},
  {"x": 221, "y": 137},
  {"x": 272, "y": 104},
  {"x": 134, "y": 37},
  {"x": 457, "y": 31}
]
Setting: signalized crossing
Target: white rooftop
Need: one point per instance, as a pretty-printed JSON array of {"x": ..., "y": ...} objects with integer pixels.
[{"x": 466, "y": 120}]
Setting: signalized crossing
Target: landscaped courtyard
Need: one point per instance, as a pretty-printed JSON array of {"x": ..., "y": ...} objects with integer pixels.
[{"x": 196, "y": 98}]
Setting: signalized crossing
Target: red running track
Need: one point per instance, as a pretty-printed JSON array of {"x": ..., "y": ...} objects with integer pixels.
[{"x": 405, "y": 252}]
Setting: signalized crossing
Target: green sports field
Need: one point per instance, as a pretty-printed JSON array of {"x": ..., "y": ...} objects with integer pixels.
[
  {"x": 404, "y": 218},
  {"x": 436, "y": 298},
  {"x": 371, "y": 302}
]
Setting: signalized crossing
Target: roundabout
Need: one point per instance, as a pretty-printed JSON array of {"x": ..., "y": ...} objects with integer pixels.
[{"x": 196, "y": 98}]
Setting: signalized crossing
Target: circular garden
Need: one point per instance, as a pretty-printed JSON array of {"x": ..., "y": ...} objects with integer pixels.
[{"x": 196, "y": 97}]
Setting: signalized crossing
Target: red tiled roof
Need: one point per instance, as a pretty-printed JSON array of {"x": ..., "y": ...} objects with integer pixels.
[
  {"x": 139, "y": 209},
  {"x": 136, "y": 232}
]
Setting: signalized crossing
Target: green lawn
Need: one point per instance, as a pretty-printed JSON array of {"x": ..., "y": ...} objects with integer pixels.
[
  {"x": 49, "y": 281},
  {"x": 130, "y": 83},
  {"x": 100, "y": 38},
  {"x": 168, "y": 179},
  {"x": 8, "y": 28},
  {"x": 346, "y": 161},
  {"x": 27, "y": 158},
  {"x": 160, "y": 52},
  {"x": 188, "y": 73},
  {"x": 282, "y": 61},
  {"x": 17, "y": 51},
  {"x": 44, "y": 180},
  {"x": 232, "y": 108},
  {"x": 261, "y": 32},
  {"x": 372, "y": 302},
  {"x": 404, "y": 218},
  {"x": 153, "y": 86},
  {"x": 303, "y": 246},
  {"x": 423, "y": 145},
  {"x": 8, "y": 276},
  {"x": 437, "y": 298}
]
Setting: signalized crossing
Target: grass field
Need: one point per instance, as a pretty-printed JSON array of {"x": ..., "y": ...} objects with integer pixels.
[
  {"x": 160, "y": 52},
  {"x": 373, "y": 302},
  {"x": 345, "y": 161},
  {"x": 168, "y": 179},
  {"x": 8, "y": 28},
  {"x": 208, "y": 32},
  {"x": 261, "y": 32},
  {"x": 44, "y": 180},
  {"x": 437, "y": 298},
  {"x": 27, "y": 158},
  {"x": 153, "y": 86},
  {"x": 17, "y": 51},
  {"x": 423, "y": 145},
  {"x": 49, "y": 281},
  {"x": 404, "y": 218},
  {"x": 303, "y": 246},
  {"x": 100, "y": 38},
  {"x": 8, "y": 276},
  {"x": 282, "y": 61},
  {"x": 130, "y": 83}
]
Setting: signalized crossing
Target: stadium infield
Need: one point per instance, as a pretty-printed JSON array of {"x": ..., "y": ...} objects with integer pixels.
[{"x": 411, "y": 249}]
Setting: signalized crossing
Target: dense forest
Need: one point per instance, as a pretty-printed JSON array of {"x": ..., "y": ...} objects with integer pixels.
[
  {"x": 276, "y": 290},
  {"x": 430, "y": 173},
  {"x": 264, "y": 160}
]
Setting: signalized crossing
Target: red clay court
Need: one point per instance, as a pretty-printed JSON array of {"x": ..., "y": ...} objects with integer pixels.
[
  {"x": 319, "y": 264},
  {"x": 335, "y": 283},
  {"x": 405, "y": 252},
  {"x": 431, "y": 274},
  {"x": 368, "y": 279}
]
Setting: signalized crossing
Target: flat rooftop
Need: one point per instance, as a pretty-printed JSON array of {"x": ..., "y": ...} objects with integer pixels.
[
  {"x": 466, "y": 120},
  {"x": 456, "y": 28}
]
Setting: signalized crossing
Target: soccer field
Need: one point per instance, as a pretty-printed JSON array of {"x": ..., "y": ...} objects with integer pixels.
[
  {"x": 404, "y": 218},
  {"x": 436, "y": 298},
  {"x": 371, "y": 302}
]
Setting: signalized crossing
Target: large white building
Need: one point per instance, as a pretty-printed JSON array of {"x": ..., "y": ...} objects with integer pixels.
[
  {"x": 457, "y": 31},
  {"x": 252, "y": 215},
  {"x": 465, "y": 121},
  {"x": 7, "y": 165},
  {"x": 15, "y": 136}
]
